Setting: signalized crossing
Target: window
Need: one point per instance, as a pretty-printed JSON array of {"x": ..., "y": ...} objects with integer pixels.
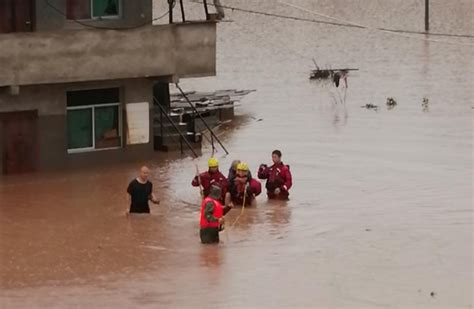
[
  {"x": 94, "y": 120},
  {"x": 92, "y": 9}
]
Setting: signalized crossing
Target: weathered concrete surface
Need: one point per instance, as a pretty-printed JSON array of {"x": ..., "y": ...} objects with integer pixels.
[{"x": 185, "y": 50}]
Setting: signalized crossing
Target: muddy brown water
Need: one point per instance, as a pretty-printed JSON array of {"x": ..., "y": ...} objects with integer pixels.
[{"x": 380, "y": 214}]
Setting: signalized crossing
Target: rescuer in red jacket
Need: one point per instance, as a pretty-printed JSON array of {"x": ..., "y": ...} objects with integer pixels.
[
  {"x": 240, "y": 183},
  {"x": 278, "y": 177},
  {"x": 212, "y": 177},
  {"x": 212, "y": 216}
]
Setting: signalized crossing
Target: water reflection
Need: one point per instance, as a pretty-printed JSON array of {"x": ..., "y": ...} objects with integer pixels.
[{"x": 211, "y": 256}]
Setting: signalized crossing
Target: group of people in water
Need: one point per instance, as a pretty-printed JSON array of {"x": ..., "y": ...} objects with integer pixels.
[{"x": 220, "y": 193}]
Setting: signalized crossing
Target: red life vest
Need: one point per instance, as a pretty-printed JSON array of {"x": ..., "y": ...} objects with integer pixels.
[{"x": 218, "y": 213}]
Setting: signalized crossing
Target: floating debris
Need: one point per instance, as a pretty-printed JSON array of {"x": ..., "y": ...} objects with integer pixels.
[
  {"x": 425, "y": 104},
  {"x": 334, "y": 74},
  {"x": 256, "y": 119},
  {"x": 433, "y": 294},
  {"x": 329, "y": 73},
  {"x": 320, "y": 74},
  {"x": 371, "y": 106},
  {"x": 391, "y": 103}
]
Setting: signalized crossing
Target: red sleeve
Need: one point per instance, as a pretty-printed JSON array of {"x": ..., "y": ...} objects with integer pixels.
[
  {"x": 195, "y": 182},
  {"x": 224, "y": 183},
  {"x": 288, "y": 179},
  {"x": 255, "y": 187},
  {"x": 263, "y": 172},
  {"x": 205, "y": 180}
]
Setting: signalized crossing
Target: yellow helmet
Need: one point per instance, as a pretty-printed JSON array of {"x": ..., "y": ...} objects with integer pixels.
[
  {"x": 213, "y": 162},
  {"x": 242, "y": 167}
]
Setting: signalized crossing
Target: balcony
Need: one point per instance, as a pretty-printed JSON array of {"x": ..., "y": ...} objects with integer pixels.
[{"x": 179, "y": 50}]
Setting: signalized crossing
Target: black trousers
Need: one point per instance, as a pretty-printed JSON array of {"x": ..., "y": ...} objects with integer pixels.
[{"x": 209, "y": 235}]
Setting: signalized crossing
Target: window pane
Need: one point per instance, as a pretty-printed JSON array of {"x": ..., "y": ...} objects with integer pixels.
[
  {"x": 78, "y": 9},
  {"x": 79, "y": 128},
  {"x": 107, "y": 133},
  {"x": 105, "y": 8}
]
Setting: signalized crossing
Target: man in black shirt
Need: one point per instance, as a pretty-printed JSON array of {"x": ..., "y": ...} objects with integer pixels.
[{"x": 140, "y": 191}]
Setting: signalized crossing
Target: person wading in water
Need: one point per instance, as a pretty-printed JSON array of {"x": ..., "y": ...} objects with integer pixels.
[
  {"x": 278, "y": 177},
  {"x": 242, "y": 184},
  {"x": 212, "y": 216},
  {"x": 140, "y": 191},
  {"x": 210, "y": 178}
]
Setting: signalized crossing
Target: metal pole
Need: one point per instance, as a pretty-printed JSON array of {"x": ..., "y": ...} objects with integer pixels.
[
  {"x": 170, "y": 8},
  {"x": 176, "y": 128},
  {"x": 427, "y": 15},
  {"x": 182, "y": 10},
  {"x": 206, "y": 9},
  {"x": 212, "y": 142},
  {"x": 161, "y": 123},
  {"x": 202, "y": 119}
]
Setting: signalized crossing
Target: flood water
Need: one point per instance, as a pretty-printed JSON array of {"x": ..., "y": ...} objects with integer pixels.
[{"x": 381, "y": 209}]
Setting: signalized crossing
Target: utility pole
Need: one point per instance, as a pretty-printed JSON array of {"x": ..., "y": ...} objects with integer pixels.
[{"x": 427, "y": 15}]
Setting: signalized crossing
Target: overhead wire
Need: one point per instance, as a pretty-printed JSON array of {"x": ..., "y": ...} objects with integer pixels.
[
  {"x": 385, "y": 30},
  {"x": 343, "y": 23}
]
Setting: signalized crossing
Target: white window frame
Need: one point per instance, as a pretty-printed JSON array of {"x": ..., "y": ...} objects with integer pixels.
[
  {"x": 120, "y": 127},
  {"x": 118, "y": 16}
]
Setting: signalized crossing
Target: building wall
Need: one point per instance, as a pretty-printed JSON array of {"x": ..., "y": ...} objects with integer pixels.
[
  {"x": 50, "y": 101},
  {"x": 181, "y": 50},
  {"x": 134, "y": 12}
]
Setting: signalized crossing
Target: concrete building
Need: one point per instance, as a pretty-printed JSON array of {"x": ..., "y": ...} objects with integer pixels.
[{"x": 77, "y": 78}]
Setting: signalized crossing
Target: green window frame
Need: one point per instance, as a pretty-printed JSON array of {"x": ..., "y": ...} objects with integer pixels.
[
  {"x": 94, "y": 127},
  {"x": 93, "y": 9}
]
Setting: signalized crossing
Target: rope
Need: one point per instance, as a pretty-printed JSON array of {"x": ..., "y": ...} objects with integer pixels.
[
  {"x": 344, "y": 23},
  {"x": 243, "y": 207}
]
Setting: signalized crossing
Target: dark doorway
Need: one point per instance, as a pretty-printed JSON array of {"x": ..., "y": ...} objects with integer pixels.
[
  {"x": 19, "y": 141},
  {"x": 16, "y": 16},
  {"x": 161, "y": 91}
]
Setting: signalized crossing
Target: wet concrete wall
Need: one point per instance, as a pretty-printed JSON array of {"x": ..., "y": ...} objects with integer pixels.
[
  {"x": 181, "y": 50},
  {"x": 134, "y": 12},
  {"x": 50, "y": 102}
]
